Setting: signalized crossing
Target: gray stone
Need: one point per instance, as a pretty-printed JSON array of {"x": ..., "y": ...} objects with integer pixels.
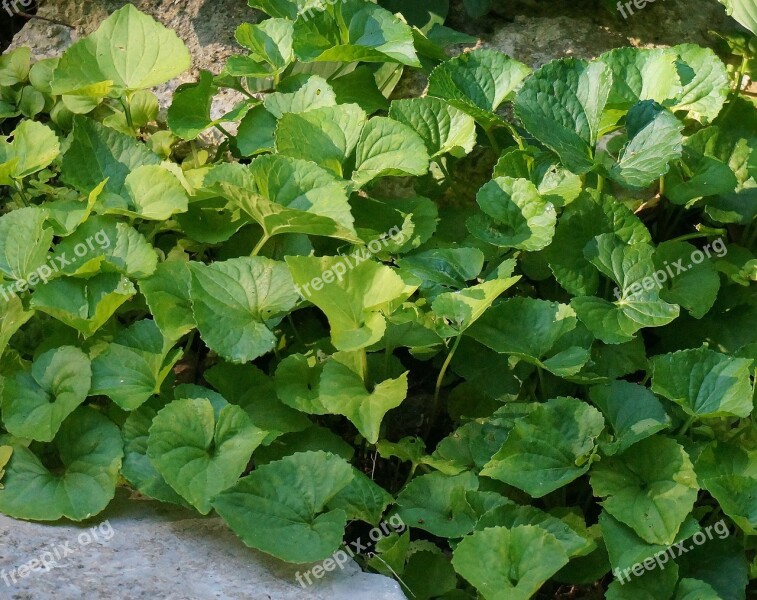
[{"x": 144, "y": 549}]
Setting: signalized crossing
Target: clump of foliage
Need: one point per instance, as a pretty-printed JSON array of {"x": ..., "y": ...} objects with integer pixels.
[{"x": 498, "y": 372}]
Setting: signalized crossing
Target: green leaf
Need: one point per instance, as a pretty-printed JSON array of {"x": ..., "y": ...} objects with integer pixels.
[
  {"x": 90, "y": 449},
  {"x": 326, "y": 136},
  {"x": 353, "y": 31},
  {"x": 129, "y": 51},
  {"x": 461, "y": 309},
  {"x": 24, "y": 242},
  {"x": 735, "y": 494},
  {"x": 12, "y": 317},
  {"x": 98, "y": 153},
  {"x": 201, "y": 450},
  {"x": 36, "y": 403},
  {"x": 706, "y": 83},
  {"x": 651, "y": 487},
  {"x": 360, "y": 87},
  {"x": 255, "y": 132},
  {"x": 444, "y": 128},
  {"x": 704, "y": 383},
  {"x": 548, "y": 448},
  {"x": 167, "y": 293},
  {"x": 237, "y": 302},
  {"x": 535, "y": 330},
  {"x": 253, "y": 390},
  {"x": 387, "y": 148},
  {"x": 705, "y": 167},
  {"x": 642, "y": 74},
  {"x": 654, "y": 141},
  {"x": 190, "y": 110},
  {"x": 638, "y": 301},
  {"x": 5, "y": 455},
  {"x": 477, "y": 83},
  {"x": 561, "y": 106},
  {"x": 509, "y": 564},
  {"x": 744, "y": 12},
  {"x": 33, "y": 148},
  {"x": 15, "y": 66},
  {"x": 695, "y": 289},
  {"x": 133, "y": 367},
  {"x": 362, "y": 499},
  {"x": 580, "y": 222},
  {"x": 104, "y": 244},
  {"x": 300, "y": 95},
  {"x": 513, "y": 515},
  {"x": 84, "y": 304},
  {"x": 352, "y": 292},
  {"x": 294, "y": 196},
  {"x": 515, "y": 215},
  {"x": 297, "y": 383},
  {"x": 625, "y": 548},
  {"x": 343, "y": 392},
  {"x": 270, "y": 46},
  {"x": 138, "y": 469},
  {"x": 633, "y": 412},
  {"x": 281, "y": 507},
  {"x": 443, "y": 269},
  {"x": 437, "y": 503},
  {"x": 150, "y": 192}
]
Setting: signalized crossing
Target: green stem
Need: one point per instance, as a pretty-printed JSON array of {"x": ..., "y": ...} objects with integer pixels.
[
  {"x": 443, "y": 169},
  {"x": 740, "y": 75},
  {"x": 21, "y": 192},
  {"x": 339, "y": 70},
  {"x": 492, "y": 141},
  {"x": 222, "y": 129},
  {"x": 127, "y": 112},
  {"x": 600, "y": 183},
  {"x": 259, "y": 246},
  {"x": 439, "y": 380},
  {"x": 541, "y": 381},
  {"x": 689, "y": 422},
  {"x": 690, "y": 236},
  {"x": 516, "y": 136},
  {"x": 662, "y": 187}
]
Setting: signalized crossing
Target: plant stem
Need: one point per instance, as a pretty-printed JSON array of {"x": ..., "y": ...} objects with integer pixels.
[
  {"x": 259, "y": 246},
  {"x": 662, "y": 187},
  {"x": 492, "y": 141},
  {"x": 127, "y": 111},
  {"x": 222, "y": 129},
  {"x": 689, "y": 422},
  {"x": 516, "y": 136},
  {"x": 21, "y": 192},
  {"x": 439, "y": 380},
  {"x": 690, "y": 236},
  {"x": 600, "y": 183}
]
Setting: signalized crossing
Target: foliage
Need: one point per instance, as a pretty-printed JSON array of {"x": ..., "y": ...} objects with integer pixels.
[{"x": 332, "y": 318}]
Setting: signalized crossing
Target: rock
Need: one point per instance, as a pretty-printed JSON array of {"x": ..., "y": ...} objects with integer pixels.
[{"x": 144, "y": 549}]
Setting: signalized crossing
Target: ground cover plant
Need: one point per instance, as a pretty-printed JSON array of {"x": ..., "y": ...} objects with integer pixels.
[{"x": 517, "y": 313}]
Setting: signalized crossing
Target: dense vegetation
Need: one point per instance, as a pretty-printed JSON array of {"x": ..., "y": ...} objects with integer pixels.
[{"x": 517, "y": 313}]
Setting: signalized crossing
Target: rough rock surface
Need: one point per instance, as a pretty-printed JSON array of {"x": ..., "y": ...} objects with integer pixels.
[{"x": 143, "y": 549}]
